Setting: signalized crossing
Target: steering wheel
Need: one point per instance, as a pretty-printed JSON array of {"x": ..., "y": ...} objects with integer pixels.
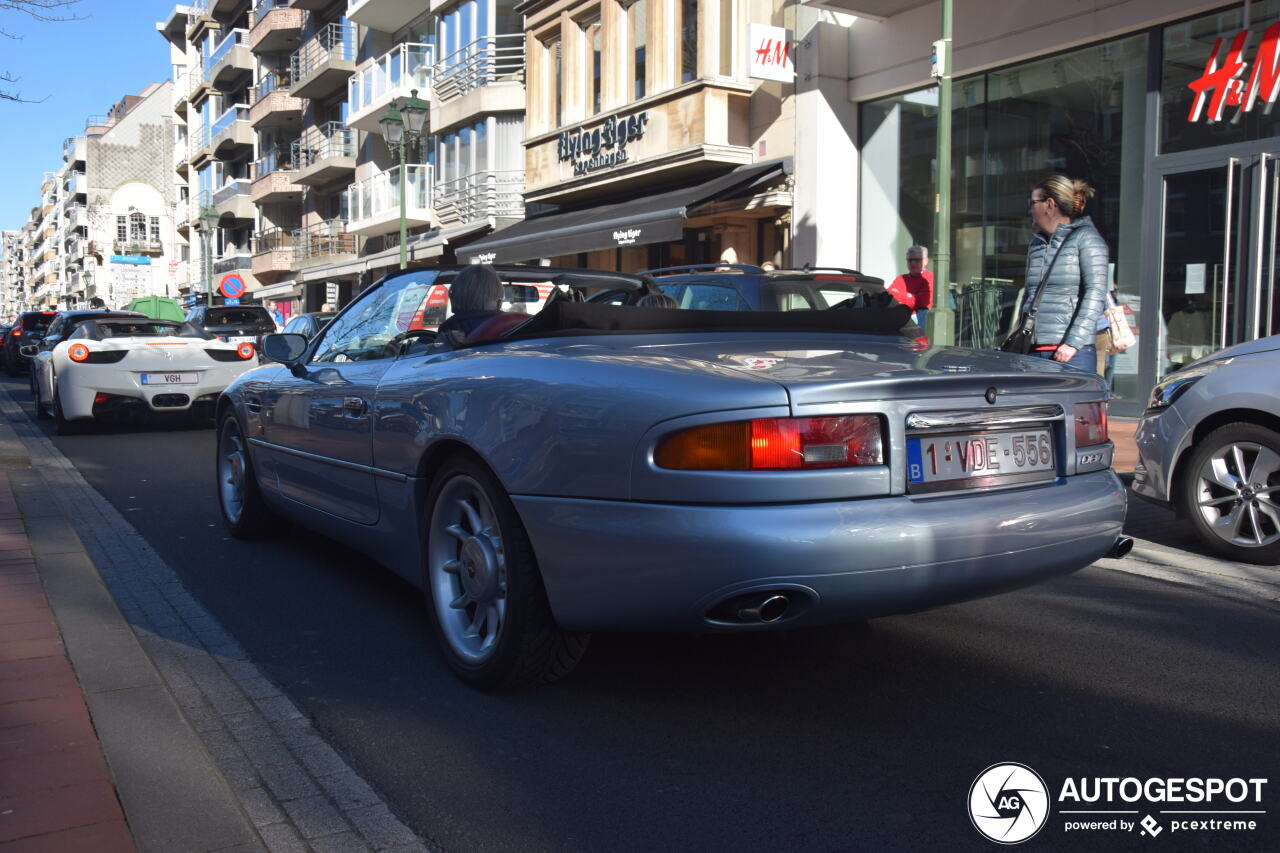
[{"x": 396, "y": 346}]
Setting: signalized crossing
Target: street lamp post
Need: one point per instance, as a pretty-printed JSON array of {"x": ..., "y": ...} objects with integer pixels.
[
  {"x": 208, "y": 221},
  {"x": 401, "y": 126}
]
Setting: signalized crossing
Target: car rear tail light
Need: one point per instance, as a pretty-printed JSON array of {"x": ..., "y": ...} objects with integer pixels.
[
  {"x": 1091, "y": 424},
  {"x": 17, "y": 333},
  {"x": 245, "y": 351},
  {"x": 78, "y": 352},
  {"x": 841, "y": 441}
]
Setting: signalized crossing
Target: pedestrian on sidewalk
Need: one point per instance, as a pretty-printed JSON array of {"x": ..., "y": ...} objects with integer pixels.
[
  {"x": 1068, "y": 261},
  {"x": 914, "y": 288}
]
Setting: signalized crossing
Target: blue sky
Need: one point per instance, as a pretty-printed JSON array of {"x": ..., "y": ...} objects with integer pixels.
[{"x": 79, "y": 68}]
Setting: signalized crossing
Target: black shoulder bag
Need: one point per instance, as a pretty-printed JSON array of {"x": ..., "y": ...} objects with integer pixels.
[{"x": 1023, "y": 337}]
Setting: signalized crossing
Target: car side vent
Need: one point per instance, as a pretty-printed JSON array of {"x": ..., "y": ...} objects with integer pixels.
[
  {"x": 106, "y": 356},
  {"x": 224, "y": 355}
]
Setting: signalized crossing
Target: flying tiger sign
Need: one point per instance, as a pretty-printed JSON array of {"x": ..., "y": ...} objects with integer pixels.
[{"x": 1224, "y": 85}]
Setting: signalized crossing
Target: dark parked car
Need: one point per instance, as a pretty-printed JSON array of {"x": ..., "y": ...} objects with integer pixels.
[
  {"x": 597, "y": 467},
  {"x": 308, "y": 325},
  {"x": 29, "y": 329},
  {"x": 232, "y": 323}
]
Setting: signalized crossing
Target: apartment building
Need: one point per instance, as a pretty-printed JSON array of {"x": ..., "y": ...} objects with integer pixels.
[
  {"x": 647, "y": 144},
  {"x": 12, "y": 300}
]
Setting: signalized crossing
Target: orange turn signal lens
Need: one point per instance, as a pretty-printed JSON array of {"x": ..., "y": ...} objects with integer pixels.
[
  {"x": 841, "y": 441},
  {"x": 245, "y": 351},
  {"x": 78, "y": 352}
]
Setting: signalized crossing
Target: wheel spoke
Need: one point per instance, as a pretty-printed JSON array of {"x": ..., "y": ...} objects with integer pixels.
[
  {"x": 451, "y": 567},
  {"x": 473, "y": 517},
  {"x": 460, "y": 602},
  {"x": 1271, "y": 511},
  {"x": 477, "y": 622},
  {"x": 1228, "y": 525},
  {"x": 457, "y": 532},
  {"x": 1265, "y": 464},
  {"x": 1237, "y": 456},
  {"x": 1216, "y": 472},
  {"x": 494, "y": 619},
  {"x": 1216, "y": 501},
  {"x": 1256, "y": 524}
]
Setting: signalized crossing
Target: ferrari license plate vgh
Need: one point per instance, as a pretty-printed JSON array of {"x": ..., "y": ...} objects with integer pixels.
[
  {"x": 169, "y": 379},
  {"x": 980, "y": 459}
]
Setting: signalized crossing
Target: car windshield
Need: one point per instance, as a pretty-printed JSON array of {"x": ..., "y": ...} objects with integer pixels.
[{"x": 244, "y": 318}]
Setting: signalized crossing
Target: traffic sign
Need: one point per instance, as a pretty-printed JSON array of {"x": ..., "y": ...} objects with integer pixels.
[{"x": 231, "y": 286}]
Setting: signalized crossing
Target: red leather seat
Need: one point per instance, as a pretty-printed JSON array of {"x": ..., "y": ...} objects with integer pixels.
[{"x": 494, "y": 328}]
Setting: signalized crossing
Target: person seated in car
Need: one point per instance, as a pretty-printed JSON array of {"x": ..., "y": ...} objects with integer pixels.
[
  {"x": 657, "y": 300},
  {"x": 475, "y": 295}
]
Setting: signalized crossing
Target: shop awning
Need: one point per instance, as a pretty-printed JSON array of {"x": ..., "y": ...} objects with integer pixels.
[{"x": 638, "y": 221}]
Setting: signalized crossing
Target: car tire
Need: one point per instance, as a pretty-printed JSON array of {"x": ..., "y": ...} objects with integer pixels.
[
  {"x": 61, "y": 425},
  {"x": 41, "y": 412},
  {"x": 244, "y": 511},
  {"x": 1231, "y": 492},
  {"x": 484, "y": 591}
]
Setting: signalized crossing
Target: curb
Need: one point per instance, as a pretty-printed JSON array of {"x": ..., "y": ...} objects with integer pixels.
[{"x": 170, "y": 691}]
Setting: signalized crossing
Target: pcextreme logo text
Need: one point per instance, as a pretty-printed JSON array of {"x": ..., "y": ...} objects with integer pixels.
[{"x": 1010, "y": 803}]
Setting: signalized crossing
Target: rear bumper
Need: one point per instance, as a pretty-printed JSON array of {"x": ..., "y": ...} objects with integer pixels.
[
  {"x": 78, "y": 389},
  {"x": 611, "y": 565}
]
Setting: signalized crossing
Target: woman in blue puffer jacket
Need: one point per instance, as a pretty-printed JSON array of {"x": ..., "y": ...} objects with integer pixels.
[{"x": 1075, "y": 293}]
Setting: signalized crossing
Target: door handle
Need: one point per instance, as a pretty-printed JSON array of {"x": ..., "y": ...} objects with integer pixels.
[{"x": 355, "y": 405}]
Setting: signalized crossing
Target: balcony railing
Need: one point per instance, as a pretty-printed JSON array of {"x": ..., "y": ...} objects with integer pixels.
[
  {"x": 231, "y": 263},
  {"x": 262, "y": 7},
  {"x": 322, "y": 240},
  {"x": 220, "y": 52},
  {"x": 330, "y": 139},
  {"x": 404, "y": 67},
  {"x": 280, "y": 79},
  {"x": 479, "y": 195},
  {"x": 332, "y": 41},
  {"x": 378, "y": 196},
  {"x": 490, "y": 59},
  {"x": 231, "y": 189},
  {"x": 280, "y": 160},
  {"x": 273, "y": 240},
  {"x": 234, "y": 113}
]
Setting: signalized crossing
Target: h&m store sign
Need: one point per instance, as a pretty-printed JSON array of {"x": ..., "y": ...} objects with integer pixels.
[
  {"x": 1234, "y": 83},
  {"x": 602, "y": 147}
]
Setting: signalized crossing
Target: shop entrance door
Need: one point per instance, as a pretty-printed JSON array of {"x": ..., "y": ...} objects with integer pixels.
[{"x": 1219, "y": 257}]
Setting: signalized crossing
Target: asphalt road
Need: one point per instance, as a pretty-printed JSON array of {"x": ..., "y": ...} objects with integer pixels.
[{"x": 862, "y": 737}]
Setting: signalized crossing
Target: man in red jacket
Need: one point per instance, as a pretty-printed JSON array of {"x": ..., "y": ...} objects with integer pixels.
[{"x": 914, "y": 288}]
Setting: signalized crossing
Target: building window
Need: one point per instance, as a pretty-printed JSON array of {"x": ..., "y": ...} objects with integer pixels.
[
  {"x": 638, "y": 32},
  {"x": 728, "y": 31},
  {"x": 553, "y": 61},
  {"x": 591, "y": 30},
  {"x": 688, "y": 40},
  {"x": 137, "y": 228},
  {"x": 122, "y": 229},
  {"x": 155, "y": 230}
]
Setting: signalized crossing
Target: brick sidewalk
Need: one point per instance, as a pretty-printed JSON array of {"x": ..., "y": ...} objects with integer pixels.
[{"x": 55, "y": 790}]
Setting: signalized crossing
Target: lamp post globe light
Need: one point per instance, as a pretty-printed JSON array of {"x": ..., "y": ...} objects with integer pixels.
[
  {"x": 402, "y": 126},
  {"x": 207, "y": 222}
]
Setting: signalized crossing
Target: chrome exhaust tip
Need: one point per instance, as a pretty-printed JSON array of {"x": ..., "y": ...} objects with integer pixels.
[
  {"x": 770, "y": 608},
  {"x": 1122, "y": 547}
]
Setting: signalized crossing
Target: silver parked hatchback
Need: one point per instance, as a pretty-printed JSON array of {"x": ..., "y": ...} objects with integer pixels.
[{"x": 1209, "y": 447}]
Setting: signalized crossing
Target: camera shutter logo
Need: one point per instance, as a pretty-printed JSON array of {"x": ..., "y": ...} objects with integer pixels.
[{"x": 1008, "y": 803}]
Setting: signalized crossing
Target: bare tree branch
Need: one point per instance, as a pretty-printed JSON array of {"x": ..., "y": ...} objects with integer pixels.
[{"x": 41, "y": 10}]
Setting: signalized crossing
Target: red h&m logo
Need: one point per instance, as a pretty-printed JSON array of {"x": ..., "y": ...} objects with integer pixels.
[
  {"x": 772, "y": 52},
  {"x": 1226, "y": 82}
]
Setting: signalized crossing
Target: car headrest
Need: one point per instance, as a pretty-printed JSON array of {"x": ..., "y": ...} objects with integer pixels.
[{"x": 494, "y": 328}]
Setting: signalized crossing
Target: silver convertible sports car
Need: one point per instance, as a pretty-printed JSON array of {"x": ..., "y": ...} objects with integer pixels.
[{"x": 598, "y": 467}]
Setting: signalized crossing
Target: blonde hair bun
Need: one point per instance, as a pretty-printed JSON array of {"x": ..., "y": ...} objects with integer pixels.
[{"x": 1069, "y": 194}]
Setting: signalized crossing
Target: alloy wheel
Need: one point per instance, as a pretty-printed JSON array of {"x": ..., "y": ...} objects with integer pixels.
[
  {"x": 1235, "y": 494},
  {"x": 232, "y": 463},
  {"x": 467, "y": 569}
]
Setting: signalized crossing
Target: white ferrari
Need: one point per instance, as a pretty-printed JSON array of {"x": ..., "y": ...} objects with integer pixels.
[{"x": 112, "y": 368}]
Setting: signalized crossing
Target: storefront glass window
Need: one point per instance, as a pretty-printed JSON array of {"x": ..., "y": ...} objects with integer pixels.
[
  {"x": 1082, "y": 114},
  {"x": 1187, "y": 48}
]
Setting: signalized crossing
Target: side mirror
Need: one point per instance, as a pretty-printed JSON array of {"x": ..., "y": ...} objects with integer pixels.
[
  {"x": 29, "y": 350},
  {"x": 286, "y": 349}
]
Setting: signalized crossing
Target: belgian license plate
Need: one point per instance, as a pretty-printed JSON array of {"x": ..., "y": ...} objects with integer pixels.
[
  {"x": 169, "y": 379},
  {"x": 980, "y": 458}
]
